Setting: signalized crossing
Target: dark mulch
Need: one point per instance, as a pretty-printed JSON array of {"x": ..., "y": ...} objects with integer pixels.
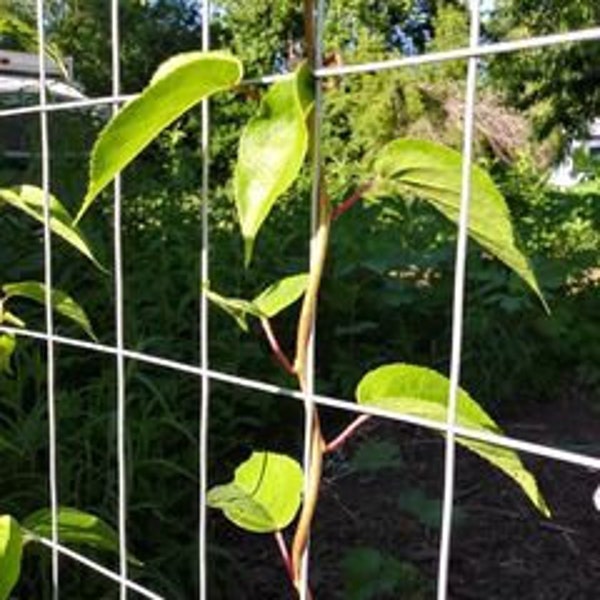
[{"x": 502, "y": 548}]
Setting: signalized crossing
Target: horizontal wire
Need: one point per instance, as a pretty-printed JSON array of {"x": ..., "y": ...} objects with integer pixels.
[
  {"x": 91, "y": 564},
  {"x": 497, "y": 439},
  {"x": 533, "y": 43}
]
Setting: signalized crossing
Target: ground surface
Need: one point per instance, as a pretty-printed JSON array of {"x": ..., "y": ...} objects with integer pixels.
[{"x": 388, "y": 501}]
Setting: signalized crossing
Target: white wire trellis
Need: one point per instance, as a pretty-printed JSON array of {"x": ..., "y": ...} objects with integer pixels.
[{"x": 121, "y": 353}]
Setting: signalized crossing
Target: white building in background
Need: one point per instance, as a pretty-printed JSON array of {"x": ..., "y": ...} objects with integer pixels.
[{"x": 565, "y": 175}]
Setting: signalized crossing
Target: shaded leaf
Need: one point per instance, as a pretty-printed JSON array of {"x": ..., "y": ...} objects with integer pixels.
[
  {"x": 433, "y": 172},
  {"x": 178, "y": 84},
  {"x": 7, "y": 347},
  {"x": 11, "y": 549},
  {"x": 75, "y": 527},
  {"x": 271, "y": 152},
  {"x": 61, "y": 302},
  {"x": 269, "y": 303},
  {"x": 422, "y": 392},
  {"x": 30, "y": 200},
  {"x": 264, "y": 495}
]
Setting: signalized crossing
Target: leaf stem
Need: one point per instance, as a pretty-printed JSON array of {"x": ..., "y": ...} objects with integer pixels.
[
  {"x": 346, "y": 434},
  {"x": 275, "y": 347},
  {"x": 285, "y": 555},
  {"x": 349, "y": 202}
]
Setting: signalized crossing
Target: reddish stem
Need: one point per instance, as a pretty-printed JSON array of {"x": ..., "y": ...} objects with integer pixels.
[
  {"x": 275, "y": 347},
  {"x": 346, "y": 433},
  {"x": 349, "y": 202},
  {"x": 287, "y": 559}
]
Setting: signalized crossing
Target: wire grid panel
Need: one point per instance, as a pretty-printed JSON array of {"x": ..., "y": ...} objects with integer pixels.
[{"x": 202, "y": 371}]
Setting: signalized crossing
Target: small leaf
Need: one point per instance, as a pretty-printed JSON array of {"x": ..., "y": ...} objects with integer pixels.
[
  {"x": 7, "y": 348},
  {"x": 433, "y": 173},
  {"x": 269, "y": 303},
  {"x": 264, "y": 495},
  {"x": 271, "y": 152},
  {"x": 422, "y": 392},
  {"x": 30, "y": 200},
  {"x": 11, "y": 549},
  {"x": 75, "y": 527},
  {"x": 178, "y": 84},
  {"x": 61, "y": 302},
  {"x": 281, "y": 294}
]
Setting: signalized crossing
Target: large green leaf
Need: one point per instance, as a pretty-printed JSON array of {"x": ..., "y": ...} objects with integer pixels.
[
  {"x": 270, "y": 302},
  {"x": 271, "y": 152},
  {"x": 61, "y": 302},
  {"x": 422, "y": 392},
  {"x": 178, "y": 84},
  {"x": 11, "y": 549},
  {"x": 75, "y": 527},
  {"x": 30, "y": 200},
  {"x": 433, "y": 173},
  {"x": 264, "y": 495}
]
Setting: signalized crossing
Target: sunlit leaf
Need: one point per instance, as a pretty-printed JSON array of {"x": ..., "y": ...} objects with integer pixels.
[
  {"x": 179, "y": 84},
  {"x": 264, "y": 495},
  {"x": 433, "y": 172},
  {"x": 61, "y": 302},
  {"x": 75, "y": 527},
  {"x": 11, "y": 549},
  {"x": 271, "y": 152},
  {"x": 30, "y": 200},
  {"x": 422, "y": 392},
  {"x": 269, "y": 303}
]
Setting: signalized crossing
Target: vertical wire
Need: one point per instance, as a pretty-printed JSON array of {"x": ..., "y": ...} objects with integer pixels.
[
  {"x": 203, "y": 323},
  {"x": 49, "y": 317},
  {"x": 119, "y": 324},
  {"x": 458, "y": 308},
  {"x": 309, "y": 402}
]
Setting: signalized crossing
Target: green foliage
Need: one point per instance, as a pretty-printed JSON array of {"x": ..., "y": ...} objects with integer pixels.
[
  {"x": 422, "y": 392},
  {"x": 74, "y": 527},
  {"x": 11, "y": 548},
  {"x": 270, "y": 302},
  {"x": 30, "y": 200},
  {"x": 177, "y": 85},
  {"x": 433, "y": 173},
  {"x": 272, "y": 151},
  {"x": 62, "y": 303},
  {"x": 369, "y": 574},
  {"x": 264, "y": 495}
]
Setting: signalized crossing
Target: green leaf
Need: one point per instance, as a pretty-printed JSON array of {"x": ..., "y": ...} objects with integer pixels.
[
  {"x": 433, "y": 172},
  {"x": 11, "y": 549},
  {"x": 281, "y": 294},
  {"x": 178, "y": 84},
  {"x": 422, "y": 392},
  {"x": 271, "y": 152},
  {"x": 30, "y": 200},
  {"x": 270, "y": 302},
  {"x": 264, "y": 495},
  {"x": 61, "y": 302},
  {"x": 7, "y": 348},
  {"x": 75, "y": 527}
]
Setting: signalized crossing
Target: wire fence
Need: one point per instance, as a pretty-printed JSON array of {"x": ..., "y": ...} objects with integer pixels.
[{"x": 121, "y": 354}]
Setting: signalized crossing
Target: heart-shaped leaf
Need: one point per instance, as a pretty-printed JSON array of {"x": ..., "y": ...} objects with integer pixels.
[
  {"x": 264, "y": 495},
  {"x": 30, "y": 200},
  {"x": 422, "y": 392},
  {"x": 433, "y": 172},
  {"x": 271, "y": 152},
  {"x": 11, "y": 549},
  {"x": 61, "y": 302},
  {"x": 270, "y": 302},
  {"x": 178, "y": 84}
]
